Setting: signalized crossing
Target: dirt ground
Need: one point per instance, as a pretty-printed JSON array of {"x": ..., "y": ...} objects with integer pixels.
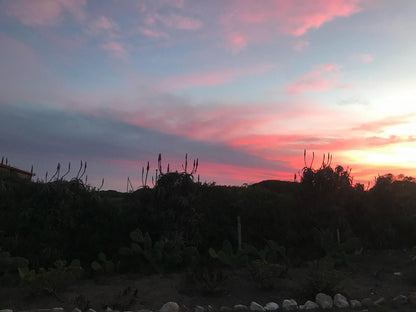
[{"x": 372, "y": 274}]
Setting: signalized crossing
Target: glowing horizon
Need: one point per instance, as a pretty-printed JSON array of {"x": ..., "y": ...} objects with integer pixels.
[{"x": 245, "y": 86}]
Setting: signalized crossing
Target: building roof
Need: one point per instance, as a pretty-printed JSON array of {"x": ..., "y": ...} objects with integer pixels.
[{"x": 15, "y": 170}]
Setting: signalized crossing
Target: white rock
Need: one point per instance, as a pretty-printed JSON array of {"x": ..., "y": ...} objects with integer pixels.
[
  {"x": 254, "y": 306},
  {"x": 400, "y": 300},
  {"x": 367, "y": 302},
  {"x": 380, "y": 301},
  {"x": 271, "y": 306},
  {"x": 289, "y": 305},
  {"x": 170, "y": 307},
  {"x": 355, "y": 304},
  {"x": 340, "y": 301},
  {"x": 310, "y": 305},
  {"x": 240, "y": 307},
  {"x": 324, "y": 301},
  {"x": 199, "y": 308}
]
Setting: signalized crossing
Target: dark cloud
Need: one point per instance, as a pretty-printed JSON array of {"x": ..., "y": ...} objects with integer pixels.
[{"x": 39, "y": 132}]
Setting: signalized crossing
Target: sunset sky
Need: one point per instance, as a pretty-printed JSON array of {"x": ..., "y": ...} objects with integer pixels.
[{"x": 245, "y": 86}]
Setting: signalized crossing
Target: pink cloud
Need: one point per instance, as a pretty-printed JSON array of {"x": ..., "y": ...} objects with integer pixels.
[
  {"x": 179, "y": 22},
  {"x": 323, "y": 78},
  {"x": 237, "y": 42},
  {"x": 153, "y": 33},
  {"x": 103, "y": 25},
  {"x": 378, "y": 126},
  {"x": 44, "y": 12},
  {"x": 300, "y": 45},
  {"x": 259, "y": 21},
  {"x": 213, "y": 78},
  {"x": 114, "y": 48},
  {"x": 363, "y": 58}
]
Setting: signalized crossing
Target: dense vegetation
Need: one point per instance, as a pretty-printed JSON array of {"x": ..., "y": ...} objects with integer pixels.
[{"x": 180, "y": 223}]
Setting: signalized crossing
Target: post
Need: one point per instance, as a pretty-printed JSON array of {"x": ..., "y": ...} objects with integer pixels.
[{"x": 239, "y": 232}]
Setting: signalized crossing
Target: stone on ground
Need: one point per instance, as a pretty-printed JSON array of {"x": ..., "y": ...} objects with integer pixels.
[
  {"x": 340, "y": 301},
  {"x": 400, "y": 300},
  {"x": 355, "y": 304},
  {"x": 324, "y": 301},
  {"x": 271, "y": 306},
  {"x": 254, "y": 306},
  {"x": 240, "y": 307},
  {"x": 170, "y": 307},
  {"x": 310, "y": 305},
  {"x": 289, "y": 305}
]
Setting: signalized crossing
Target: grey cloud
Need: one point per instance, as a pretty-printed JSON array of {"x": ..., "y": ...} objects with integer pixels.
[{"x": 52, "y": 133}]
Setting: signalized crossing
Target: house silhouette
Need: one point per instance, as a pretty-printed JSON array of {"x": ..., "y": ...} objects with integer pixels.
[{"x": 10, "y": 170}]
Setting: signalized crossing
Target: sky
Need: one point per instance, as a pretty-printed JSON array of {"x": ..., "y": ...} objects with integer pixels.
[{"x": 244, "y": 86}]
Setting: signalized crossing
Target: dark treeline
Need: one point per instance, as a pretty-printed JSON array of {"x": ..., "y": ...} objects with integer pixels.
[{"x": 43, "y": 222}]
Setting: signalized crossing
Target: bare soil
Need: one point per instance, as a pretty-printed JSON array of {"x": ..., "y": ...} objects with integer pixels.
[{"x": 373, "y": 274}]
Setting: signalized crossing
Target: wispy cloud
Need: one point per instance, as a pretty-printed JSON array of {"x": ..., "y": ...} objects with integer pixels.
[
  {"x": 380, "y": 125},
  {"x": 213, "y": 78},
  {"x": 322, "y": 78},
  {"x": 179, "y": 22},
  {"x": 255, "y": 21},
  {"x": 103, "y": 26},
  {"x": 115, "y": 48},
  {"x": 153, "y": 33},
  {"x": 300, "y": 45},
  {"x": 363, "y": 58},
  {"x": 44, "y": 12}
]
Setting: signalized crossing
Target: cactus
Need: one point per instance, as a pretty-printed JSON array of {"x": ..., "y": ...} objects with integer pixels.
[
  {"x": 230, "y": 258},
  {"x": 11, "y": 264},
  {"x": 102, "y": 264},
  {"x": 160, "y": 255}
]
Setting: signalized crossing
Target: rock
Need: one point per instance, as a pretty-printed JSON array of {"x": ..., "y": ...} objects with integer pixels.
[
  {"x": 199, "y": 308},
  {"x": 379, "y": 301},
  {"x": 6, "y": 310},
  {"x": 412, "y": 298},
  {"x": 310, "y": 305},
  {"x": 355, "y": 304},
  {"x": 289, "y": 305},
  {"x": 144, "y": 310},
  {"x": 254, "y": 306},
  {"x": 57, "y": 310},
  {"x": 225, "y": 309},
  {"x": 367, "y": 302},
  {"x": 91, "y": 310},
  {"x": 76, "y": 310},
  {"x": 340, "y": 301},
  {"x": 271, "y": 306},
  {"x": 400, "y": 300},
  {"x": 210, "y": 308},
  {"x": 170, "y": 307},
  {"x": 240, "y": 307},
  {"x": 324, "y": 301}
]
